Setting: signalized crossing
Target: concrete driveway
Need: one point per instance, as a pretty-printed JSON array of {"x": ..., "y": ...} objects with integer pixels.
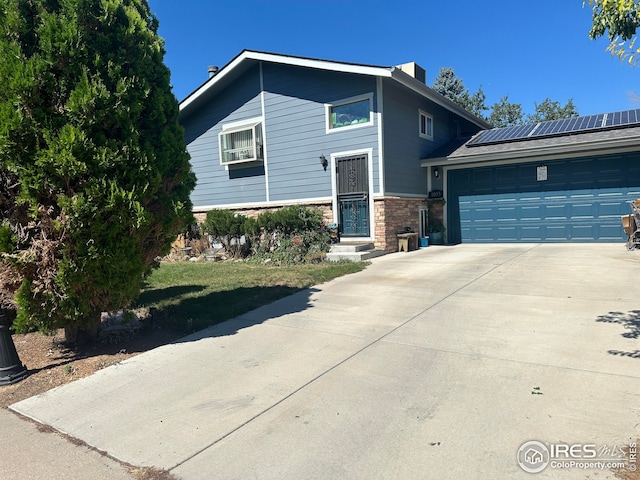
[{"x": 439, "y": 363}]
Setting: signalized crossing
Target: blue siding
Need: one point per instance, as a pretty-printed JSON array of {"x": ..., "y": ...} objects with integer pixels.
[
  {"x": 294, "y": 135},
  {"x": 217, "y": 185},
  {"x": 403, "y": 146},
  {"x": 296, "y": 128}
]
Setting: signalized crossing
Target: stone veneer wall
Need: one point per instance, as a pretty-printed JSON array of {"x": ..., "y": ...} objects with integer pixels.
[
  {"x": 392, "y": 215},
  {"x": 327, "y": 211}
]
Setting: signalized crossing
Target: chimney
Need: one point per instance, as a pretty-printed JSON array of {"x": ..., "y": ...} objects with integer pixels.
[
  {"x": 212, "y": 69},
  {"x": 415, "y": 70}
]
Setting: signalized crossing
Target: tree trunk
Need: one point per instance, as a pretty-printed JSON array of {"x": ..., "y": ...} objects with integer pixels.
[{"x": 82, "y": 336}]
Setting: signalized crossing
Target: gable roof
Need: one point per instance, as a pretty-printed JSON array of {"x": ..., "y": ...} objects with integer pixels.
[
  {"x": 617, "y": 139},
  {"x": 247, "y": 58}
]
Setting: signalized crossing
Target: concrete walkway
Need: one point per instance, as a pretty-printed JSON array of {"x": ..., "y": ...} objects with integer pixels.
[{"x": 438, "y": 363}]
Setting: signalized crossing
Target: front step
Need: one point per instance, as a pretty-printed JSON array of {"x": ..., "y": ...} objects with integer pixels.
[{"x": 353, "y": 252}]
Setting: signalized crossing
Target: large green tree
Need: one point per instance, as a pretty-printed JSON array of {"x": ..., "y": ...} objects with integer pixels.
[
  {"x": 94, "y": 174},
  {"x": 619, "y": 20},
  {"x": 505, "y": 114},
  {"x": 552, "y": 110},
  {"x": 448, "y": 84}
]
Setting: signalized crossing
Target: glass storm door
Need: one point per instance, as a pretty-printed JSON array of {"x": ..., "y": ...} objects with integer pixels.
[{"x": 352, "y": 175}]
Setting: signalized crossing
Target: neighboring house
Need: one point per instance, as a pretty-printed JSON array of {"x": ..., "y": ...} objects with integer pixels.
[
  {"x": 269, "y": 130},
  {"x": 560, "y": 181}
]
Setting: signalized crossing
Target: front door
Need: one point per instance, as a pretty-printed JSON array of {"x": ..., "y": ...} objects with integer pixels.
[{"x": 352, "y": 182}]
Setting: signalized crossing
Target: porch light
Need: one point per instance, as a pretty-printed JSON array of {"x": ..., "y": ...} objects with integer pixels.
[
  {"x": 436, "y": 172},
  {"x": 324, "y": 162}
]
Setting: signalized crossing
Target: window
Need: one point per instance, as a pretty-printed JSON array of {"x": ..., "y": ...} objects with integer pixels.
[
  {"x": 241, "y": 144},
  {"x": 426, "y": 125},
  {"x": 351, "y": 112}
]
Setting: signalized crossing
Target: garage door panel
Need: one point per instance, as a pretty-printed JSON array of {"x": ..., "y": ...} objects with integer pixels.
[
  {"x": 581, "y": 199},
  {"x": 577, "y": 216}
]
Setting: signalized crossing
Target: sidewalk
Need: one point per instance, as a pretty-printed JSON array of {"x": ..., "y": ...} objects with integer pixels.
[
  {"x": 28, "y": 453},
  {"x": 422, "y": 366}
]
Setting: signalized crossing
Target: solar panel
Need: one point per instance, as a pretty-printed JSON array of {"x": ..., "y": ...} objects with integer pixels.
[
  {"x": 553, "y": 128},
  {"x": 499, "y": 135}
]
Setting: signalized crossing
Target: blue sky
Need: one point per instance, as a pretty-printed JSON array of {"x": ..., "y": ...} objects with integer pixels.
[{"x": 527, "y": 50}]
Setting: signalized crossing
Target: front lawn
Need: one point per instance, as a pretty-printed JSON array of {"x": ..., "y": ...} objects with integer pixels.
[{"x": 189, "y": 296}]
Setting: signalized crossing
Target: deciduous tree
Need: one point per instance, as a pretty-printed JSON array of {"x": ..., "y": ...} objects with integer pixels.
[
  {"x": 94, "y": 174},
  {"x": 619, "y": 20}
]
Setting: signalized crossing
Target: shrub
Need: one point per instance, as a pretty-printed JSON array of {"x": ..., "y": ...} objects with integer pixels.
[
  {"x": 231, "y": 229},
  {"x": 94, "y": 174},
  {"x": 293, "y": 234}
]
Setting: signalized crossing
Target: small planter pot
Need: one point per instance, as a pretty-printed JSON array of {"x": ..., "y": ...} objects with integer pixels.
[{"x": 436, "y": 238}]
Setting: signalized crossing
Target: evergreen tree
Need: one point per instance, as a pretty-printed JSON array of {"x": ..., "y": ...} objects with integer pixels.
[
  {"x": 449, "y": 85},
  {"x": 505, "y": 114},
  {"x": 94, "y": 174},
  {"x": 552, "y": 110}
]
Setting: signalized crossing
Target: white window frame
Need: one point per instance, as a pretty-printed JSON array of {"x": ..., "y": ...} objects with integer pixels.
[
  {"x": 257, "y": 149},
  {"x": 345, "y": 101},
  {"x": 428, "y": 120}
]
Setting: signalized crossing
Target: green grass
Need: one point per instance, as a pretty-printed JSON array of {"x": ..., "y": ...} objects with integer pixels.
[{"x": 190, "y": 296}]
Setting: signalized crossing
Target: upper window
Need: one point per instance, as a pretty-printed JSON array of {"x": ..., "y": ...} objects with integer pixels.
[
  {"x": 351, "y": 112},
  {"x": 241, "y": 144},
  {"x": 425, "y": 125}
]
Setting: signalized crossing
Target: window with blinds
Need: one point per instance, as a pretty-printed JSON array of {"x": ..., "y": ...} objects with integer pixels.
[
  {"x": 242, "y": 144},
  {"x": 425, "y": 125}
]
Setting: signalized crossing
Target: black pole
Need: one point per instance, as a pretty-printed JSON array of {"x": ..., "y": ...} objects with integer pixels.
[{"x": 11, "y": 368}]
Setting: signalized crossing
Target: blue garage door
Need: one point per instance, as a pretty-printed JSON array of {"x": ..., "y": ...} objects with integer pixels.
[
  {"x": 560, "y": 216},
  {"x": 576, "y": 200}
]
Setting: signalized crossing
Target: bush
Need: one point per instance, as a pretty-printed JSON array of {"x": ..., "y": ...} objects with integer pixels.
[
  {"x": 293, "y": 234},
  {"x": 95, "y": 178},
  {"x": 230, "y": 229}
]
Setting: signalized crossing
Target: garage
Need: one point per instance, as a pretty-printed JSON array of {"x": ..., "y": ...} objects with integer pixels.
[
  {"x": 579, "y": 200},
  {"x": 567, "y": 180}
]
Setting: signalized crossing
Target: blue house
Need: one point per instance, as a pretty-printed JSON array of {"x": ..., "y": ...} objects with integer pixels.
[{"x": 270, "y": 130}]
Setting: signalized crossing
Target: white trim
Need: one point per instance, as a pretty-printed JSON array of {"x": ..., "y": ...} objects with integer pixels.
[
  {"x": 318, "y": 64},
  {"x": 345, "y": 101},
  {"x": 334, "y": 188},
  {"x": 273, "y": 203},
  {"x": 427, "y": 116},
  {"x": 422, "y": 89},
  {"x": 253, "y": 126},
  {"x": 380, "y": 108},
  {"x": 445, "y": 195},
  {"x": 406, "y": 195},
  {"x": 264, "y": 136},
  {"x": 284, "y": 60},
  {"x": 568, "y": 151},
  {"x": 383, "y": 72},
  {"x": 240, "y": 124}
]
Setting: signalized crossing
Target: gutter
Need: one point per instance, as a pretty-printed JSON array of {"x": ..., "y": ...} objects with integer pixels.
[
  {"x": 424, "y": 90},
  {"x": 560, "y": 151}
]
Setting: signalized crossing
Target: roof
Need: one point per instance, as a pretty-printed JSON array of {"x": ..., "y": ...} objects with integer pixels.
[
  {"x": 569, "y": 144},
  {"x": 247, "y": 58}
]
